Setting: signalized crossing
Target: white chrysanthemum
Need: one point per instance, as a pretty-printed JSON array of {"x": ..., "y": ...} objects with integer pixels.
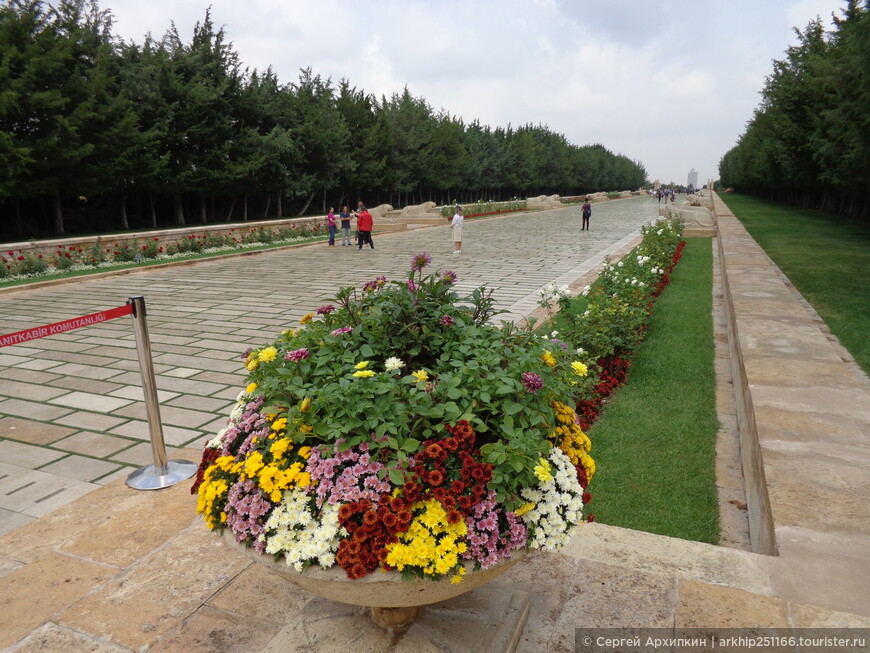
[
  {"x": 558, "y": 505},
  {"x": 393, "y": 363},
  {"x": 295, "y": 532}
]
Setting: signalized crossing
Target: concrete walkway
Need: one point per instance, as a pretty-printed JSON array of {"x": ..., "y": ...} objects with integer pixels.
[{"x": 90, "y": 565}]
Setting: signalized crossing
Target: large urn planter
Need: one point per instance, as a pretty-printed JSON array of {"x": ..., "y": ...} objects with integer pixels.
[{"x": 395, "y": 603}]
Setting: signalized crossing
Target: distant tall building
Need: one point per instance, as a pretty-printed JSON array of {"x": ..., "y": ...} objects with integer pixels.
[{"x": 693, "y": 178}]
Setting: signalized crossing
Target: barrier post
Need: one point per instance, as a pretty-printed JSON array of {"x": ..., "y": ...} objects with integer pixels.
[{"x": 163, "y": 473}]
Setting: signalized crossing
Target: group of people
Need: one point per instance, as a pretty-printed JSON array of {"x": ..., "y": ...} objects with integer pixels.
[
  {"x": 665, "y": 193},
  {"x": 365, "y": 222}
]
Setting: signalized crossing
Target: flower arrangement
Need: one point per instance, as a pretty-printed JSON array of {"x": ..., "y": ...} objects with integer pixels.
[
  {"x": 400, "y": 429},
  {"x": 481, "y": 207},
  {"x": 608, "y": 319}
]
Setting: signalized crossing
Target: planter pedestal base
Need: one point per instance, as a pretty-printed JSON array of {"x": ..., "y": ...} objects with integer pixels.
[
  {"x": 489, "y": 618},
  {"x": 396, "y": 620}
]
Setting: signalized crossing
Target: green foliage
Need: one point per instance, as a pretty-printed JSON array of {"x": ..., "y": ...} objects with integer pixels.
[{"x": 397, "y": 360}]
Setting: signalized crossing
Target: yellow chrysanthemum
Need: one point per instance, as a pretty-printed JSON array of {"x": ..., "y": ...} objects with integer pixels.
[
  {"x": 304, "y": 452},
  {"x": 522, "y": 510},
  {"x": 579, "y": 368},
  {"x": 279, "y": 447},
  {"x": 430, "y": 543},
  {"x": 305, "y": 405},
  {"x": 542, "y": 471},
  {"x": 251, "y": 365},
  {"x": 279, "y": 424},
  {"x": 548, "y": 358},
  {"x": 268, "y": 354},
  {"x": 364, "y": 374},
  {"x": 251, "y": 387},
  {"x": 361, "y": 365},
  {"x": 420, "y": 375},
  {"x": 306, "y": 318},
  {"x": 253, "y": 464}
]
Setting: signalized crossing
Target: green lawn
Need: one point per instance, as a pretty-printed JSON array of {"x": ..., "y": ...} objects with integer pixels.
[
  {"x": 655, "y": 442},
  {"x": 824, "y": 256}
]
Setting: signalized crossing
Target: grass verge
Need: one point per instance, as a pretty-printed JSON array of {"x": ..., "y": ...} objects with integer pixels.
[
  {"x": 655, "y": 442},
  {"x": 824, "y": 256}
]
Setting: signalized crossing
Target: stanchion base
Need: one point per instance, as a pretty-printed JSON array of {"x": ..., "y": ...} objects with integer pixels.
[{"x": 151, "y": 477}]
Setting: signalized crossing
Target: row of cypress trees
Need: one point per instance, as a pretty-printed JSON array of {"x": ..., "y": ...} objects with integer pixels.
[
  {"x": 99, "y": 134},
  {"x": 808, "y": 142}
]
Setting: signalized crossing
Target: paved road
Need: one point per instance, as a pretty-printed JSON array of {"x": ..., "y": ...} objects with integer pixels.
[{"x": 71, "y": 411}]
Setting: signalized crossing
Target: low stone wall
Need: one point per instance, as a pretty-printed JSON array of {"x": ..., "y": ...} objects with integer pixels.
[{"x": 163, "y": 237}]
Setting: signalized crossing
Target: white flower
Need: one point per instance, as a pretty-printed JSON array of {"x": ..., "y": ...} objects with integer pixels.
[
  {"x": 554, "y": 334},
  {"x": 580, "y": 350},
  {"x": 393, "y": 363}
]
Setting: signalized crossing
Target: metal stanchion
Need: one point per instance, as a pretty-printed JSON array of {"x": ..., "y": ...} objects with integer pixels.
[{"x": 163, "y": 473}]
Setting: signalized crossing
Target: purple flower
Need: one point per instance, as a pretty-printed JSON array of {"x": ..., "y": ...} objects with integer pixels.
[
  {"x": 326, "y": 309},
  {"x": 532, "y": 381},
  {"x": 446, "y": 320},
  {"x": 297, "y": 355},
  {"x": 448, "y": 277},
  {"x": 369, "y": 286},
  {"x": 381, "y": 281},
  {"x": 338, "y": 332},
  {"x": 246, "y": 353},
  {"x": 411, "y": 285},
  {"x": 420, "y": 261},
  {"x": 246, "y": 513}
]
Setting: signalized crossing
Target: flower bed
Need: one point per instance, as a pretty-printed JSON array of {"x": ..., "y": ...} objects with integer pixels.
[
  {"x": 609, "y": 318},
  {"x": 37, "y": 262},
  {"x": 399, "y": 429},
  {"x": 473, "y": 209}
]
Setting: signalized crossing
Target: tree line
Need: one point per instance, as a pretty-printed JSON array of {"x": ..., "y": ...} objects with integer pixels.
[
  {"x": 808, "y": 142},
  {"x": 98, "y": 134}
]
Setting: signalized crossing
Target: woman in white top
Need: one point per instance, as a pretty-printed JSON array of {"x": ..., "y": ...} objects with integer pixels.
[{"x": 456, "y": 227}]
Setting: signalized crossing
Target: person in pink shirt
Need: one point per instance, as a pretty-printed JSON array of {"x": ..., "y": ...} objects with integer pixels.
[{"x": 330, "y": 224}]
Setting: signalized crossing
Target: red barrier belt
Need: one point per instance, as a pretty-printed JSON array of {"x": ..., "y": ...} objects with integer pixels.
[{"x": 67, "y": 325}]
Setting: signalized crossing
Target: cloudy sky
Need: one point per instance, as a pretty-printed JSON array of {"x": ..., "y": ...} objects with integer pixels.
[{"x": 669, "y": 83}]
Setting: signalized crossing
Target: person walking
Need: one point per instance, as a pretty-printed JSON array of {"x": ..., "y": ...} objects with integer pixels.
[
  {"x": 586, "y": 211},
  {"x": 364, "y": 224},
  {"x": 345, "y": 226},
  {"x": 456, "y": 228},
  {"x": 330, "y": 224}
]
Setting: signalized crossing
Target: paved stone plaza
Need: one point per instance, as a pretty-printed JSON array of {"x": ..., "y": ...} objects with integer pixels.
[{"x": 88, "y": 564}]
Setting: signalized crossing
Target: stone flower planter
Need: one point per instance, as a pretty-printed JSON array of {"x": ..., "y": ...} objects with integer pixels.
[{"x": 394, "y": 603}]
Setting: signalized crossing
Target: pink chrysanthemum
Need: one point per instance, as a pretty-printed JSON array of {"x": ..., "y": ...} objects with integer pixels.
[
  {"x": 420, "y": 261},
  {"x": 297, "y": 355},
  {"x": 532, "y": 381},
  {"x": 448, "y": 277}
]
